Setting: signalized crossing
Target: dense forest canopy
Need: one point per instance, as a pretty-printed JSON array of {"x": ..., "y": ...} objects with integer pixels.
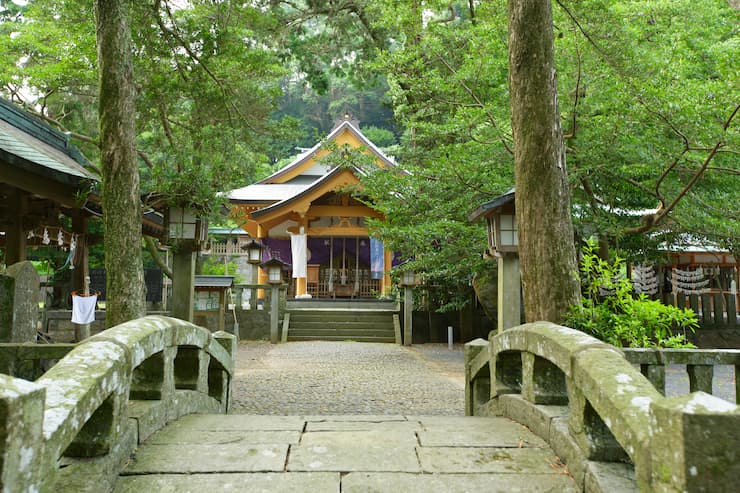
[{"x": 648, "y": 93}]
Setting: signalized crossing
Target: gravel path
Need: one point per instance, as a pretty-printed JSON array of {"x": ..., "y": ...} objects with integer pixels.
[
  {"x": 328, "y": 378},
  {"x": 321, "y": 377}
]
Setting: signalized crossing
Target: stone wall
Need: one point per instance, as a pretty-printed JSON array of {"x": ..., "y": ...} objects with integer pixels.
[
  {"x": 19, "y": 292},
  {"x": 253, "y": 324}
]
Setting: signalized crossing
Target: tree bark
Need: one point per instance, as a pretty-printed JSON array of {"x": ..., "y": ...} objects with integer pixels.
[
  {"x": 120, "y": 175},
  {"x": 546, "y": 244}
]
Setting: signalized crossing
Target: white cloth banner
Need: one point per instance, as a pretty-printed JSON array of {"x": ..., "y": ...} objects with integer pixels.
[
  {"x": 83, "y": 309},
  {"x": 299, "y": 250}
]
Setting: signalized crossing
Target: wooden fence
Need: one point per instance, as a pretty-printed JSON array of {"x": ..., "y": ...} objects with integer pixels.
[{"x": 715, "y": 310}]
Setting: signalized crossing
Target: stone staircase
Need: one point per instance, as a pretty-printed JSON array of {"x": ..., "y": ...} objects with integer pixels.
[{"x": 342, "y": 320}]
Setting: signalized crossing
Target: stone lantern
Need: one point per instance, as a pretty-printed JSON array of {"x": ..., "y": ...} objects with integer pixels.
[
  {"x": 274, "y": 269},
  {"x": 254, "y": 251},
  {"x": 503, "y": 245},
  {"x": 409, "y": 279}
]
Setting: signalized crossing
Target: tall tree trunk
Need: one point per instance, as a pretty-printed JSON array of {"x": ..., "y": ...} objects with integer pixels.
[
  {"x": 546, "y": 246},
  {"x": 121, "y": 202}
]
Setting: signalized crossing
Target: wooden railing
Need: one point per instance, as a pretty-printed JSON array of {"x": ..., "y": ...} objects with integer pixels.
[
  {"x": 600, "y": 415},
  {"x": 109, "y": 393}
]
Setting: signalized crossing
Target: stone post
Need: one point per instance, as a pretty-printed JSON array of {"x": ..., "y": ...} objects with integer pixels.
[
  {"x": 408, "y": 318},
  {"x": 477, "y": 390},
  {"x": 183, "y": 282},
  {"x": 22, "y": 451},
  {"x": 695, "y": 443},
  {"x": 509, "y": 292},
  {"x": 274, "y": 312},
  {"x": 19, "y": 292},
  {"x": 224, "y": 387}
]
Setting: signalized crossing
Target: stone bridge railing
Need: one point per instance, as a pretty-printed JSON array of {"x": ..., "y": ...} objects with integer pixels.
[
  {"x": 76, "y": 424},
  {"x": 600, "y": 415}
]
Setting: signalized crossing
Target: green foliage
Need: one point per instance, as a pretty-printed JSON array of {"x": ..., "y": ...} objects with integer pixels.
[
  {"x": 381, "y": 137},
  {"x": 610, "y": 311},
  {"x": 215, "y": 266},
  {"x": 207, "y": 80}
]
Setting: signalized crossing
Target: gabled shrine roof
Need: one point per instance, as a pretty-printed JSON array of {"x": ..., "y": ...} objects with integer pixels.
[
  {"x": 303, "y": 158},
  {"x": 260, "y": 193},
  {"x": 326, "y": 179},
  {"x": 35, "y": 147}
]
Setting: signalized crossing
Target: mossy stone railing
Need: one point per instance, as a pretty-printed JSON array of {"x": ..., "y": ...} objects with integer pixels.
[
  {"x": 600, "y": 415},
  {"x": 73, "y": 427},
  {"x": 699, "y": 365}
]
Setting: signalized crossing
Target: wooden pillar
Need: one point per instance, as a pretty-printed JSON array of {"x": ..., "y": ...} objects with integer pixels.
[
  {"x": 300, "y": 282},
  {"x": 80, "y": 259},
  {"x": 261, "y": 273},
  {"x": 300, "y": 286},
  {"x": 15, "y": 237},
  {"x": 385, "y": 284}
]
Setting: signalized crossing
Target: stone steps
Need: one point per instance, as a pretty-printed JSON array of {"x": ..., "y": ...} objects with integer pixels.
[{"x": 332, "y": 320}]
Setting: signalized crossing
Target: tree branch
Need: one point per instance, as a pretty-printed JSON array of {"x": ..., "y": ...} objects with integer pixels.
[
  {"x": 475, "y": 97},
  {"x": 154, "y": 253},
  {"x": 144, "y": 157},
  {"x": 576, "y": 100}
]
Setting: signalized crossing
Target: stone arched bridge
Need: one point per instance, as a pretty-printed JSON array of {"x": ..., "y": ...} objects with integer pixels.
[{"x": 140, "y": 407}]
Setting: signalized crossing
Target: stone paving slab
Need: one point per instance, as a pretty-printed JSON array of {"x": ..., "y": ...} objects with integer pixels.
[
  {"x": 179, "y": 435},
  {"x": 344, "y": 458},
  {"x": 492, "y": 460},
  {"x": 434, "y": 454},
  {"x": 382, "y": 437},
  {"x": 359, "y": 482},
  {"x": 378, "y": 450},
  {"x": 364, "y": 418},
  {"x": 228, "y": 457},
  {"x": 314, "y": 482},
  {"x": 230, "y": 422},
  {"x": 410, "y": 426},
  {"x": 475, "y": 432}
]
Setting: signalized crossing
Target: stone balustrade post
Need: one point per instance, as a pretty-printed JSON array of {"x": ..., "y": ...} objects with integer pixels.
[
  {"x": 477, "y": 390},
  {"x": 220, "y": 386},
  {"x": 542, "y": 381},
  {"x": 22, "y": 450},
  {"x": 695, "y": 443},
  {"x": 700, "y": 377},
  {"x": 153, "y": 379}
]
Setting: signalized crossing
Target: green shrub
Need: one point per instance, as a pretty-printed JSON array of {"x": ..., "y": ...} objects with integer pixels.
[
  {"x": 214, "y": 266},
  {"x": 611, "y": 312}
]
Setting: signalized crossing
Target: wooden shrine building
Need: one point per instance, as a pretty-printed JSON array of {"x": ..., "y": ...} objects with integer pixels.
[
  {"x": 43, "y": 179},
  {"x": 308, "y": 203}
]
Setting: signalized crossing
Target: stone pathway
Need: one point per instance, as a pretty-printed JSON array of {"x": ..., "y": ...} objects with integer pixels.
[
  {"x": 323, "y": 377},
  {"x": 350, "y": 453}
]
